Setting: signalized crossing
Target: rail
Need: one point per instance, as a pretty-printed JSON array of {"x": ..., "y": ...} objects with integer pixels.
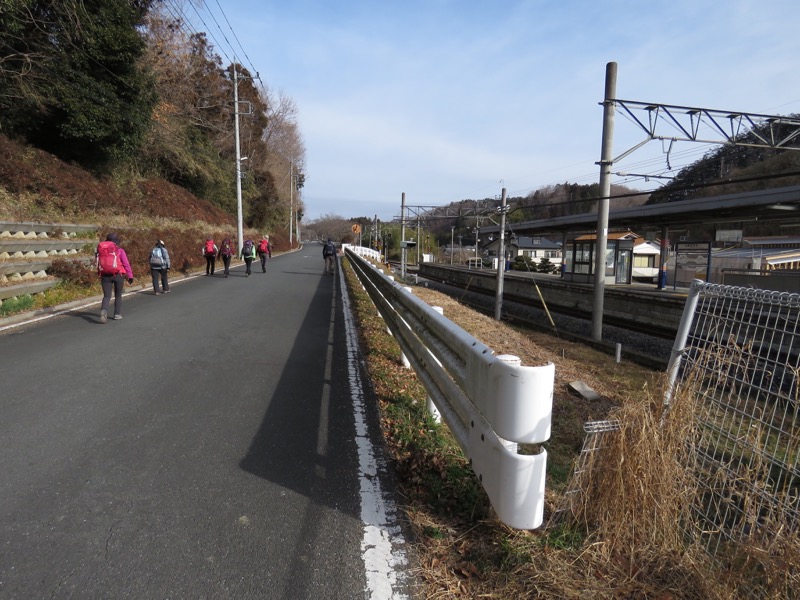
[{"x": 490, "y": 403}]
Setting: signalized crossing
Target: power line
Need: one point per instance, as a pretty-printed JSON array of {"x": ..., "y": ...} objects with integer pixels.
[
  {"x": 237, "y": 41},
  {"x": 186, "y": 19}
]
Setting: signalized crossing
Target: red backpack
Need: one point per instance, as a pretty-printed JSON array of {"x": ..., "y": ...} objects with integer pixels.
[
  {"x": 108, "y": 262},
  {"x": 263, "y": 245},
  {"x": 226, "y": 248},
  {"x": 210, "y": 248}
]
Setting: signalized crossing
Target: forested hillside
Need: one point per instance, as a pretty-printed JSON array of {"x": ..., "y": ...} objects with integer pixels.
[{"x": 121, "y": 89}]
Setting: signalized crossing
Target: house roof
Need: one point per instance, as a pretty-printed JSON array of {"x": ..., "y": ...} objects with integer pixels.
[
  {"x": 526, "y": 242},
  {"x": 772, "y": 240},
  {"x": 619, "y": 235},
  {"x": 771, "y": 255}
]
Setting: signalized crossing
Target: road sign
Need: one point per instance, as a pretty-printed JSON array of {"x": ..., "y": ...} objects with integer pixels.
[{"x": 356, "y": 228}]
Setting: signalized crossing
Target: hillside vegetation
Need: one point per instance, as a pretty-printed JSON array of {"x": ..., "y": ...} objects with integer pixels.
[
  {"x": 36, "y": 186},
  {"x": 125, "y": 90}
]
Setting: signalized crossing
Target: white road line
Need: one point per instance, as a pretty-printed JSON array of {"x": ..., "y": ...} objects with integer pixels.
[{"x": 383, "y": 545}]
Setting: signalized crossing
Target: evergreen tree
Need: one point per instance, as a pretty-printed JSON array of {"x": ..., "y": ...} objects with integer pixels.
[{"x": 71, "y": 81}]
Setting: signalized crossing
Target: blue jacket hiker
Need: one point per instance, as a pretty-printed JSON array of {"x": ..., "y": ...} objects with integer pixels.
[{"x": 159, "y": 266}]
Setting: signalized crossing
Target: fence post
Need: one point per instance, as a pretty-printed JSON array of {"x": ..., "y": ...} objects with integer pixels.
[{"x": 679, "y": 346}]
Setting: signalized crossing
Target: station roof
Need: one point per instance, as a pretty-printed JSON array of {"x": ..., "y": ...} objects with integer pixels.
[{"x": 777, "y": 204}]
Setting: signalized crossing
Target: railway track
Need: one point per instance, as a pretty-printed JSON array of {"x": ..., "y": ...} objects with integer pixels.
[{"x": 647, "y": 345}]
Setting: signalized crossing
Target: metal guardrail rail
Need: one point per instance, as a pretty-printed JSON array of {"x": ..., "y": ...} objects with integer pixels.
[{"x": 490, "y": 403}]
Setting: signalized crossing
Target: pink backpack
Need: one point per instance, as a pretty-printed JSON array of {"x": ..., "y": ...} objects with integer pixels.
[{"x": 108, "y": 262}]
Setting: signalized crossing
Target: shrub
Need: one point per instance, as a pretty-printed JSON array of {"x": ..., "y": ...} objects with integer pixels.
[
  {"x": 523, "y": 263},
  {"x": 12, "y": 305},
  {"x": 79, "y": 272}
]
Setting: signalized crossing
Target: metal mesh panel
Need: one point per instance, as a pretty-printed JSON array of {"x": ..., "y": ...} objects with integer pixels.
[
  {"x": 740, "y": 364},
  {"x": 573, "y": 499}
]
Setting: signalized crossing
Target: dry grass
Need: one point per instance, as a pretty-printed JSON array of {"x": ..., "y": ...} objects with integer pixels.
[{"x": 624, "y": 535}]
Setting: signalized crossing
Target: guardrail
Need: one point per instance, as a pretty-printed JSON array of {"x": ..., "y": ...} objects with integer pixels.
[
  {"x": 490, "y": 403},
  {"x": 362, "y": 251}
]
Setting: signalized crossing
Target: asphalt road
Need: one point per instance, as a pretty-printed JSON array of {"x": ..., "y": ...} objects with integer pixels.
[{"x": 204, "y": 446}]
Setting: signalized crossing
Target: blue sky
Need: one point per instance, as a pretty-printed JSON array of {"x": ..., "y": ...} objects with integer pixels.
[{"x": 455, "y": 99}]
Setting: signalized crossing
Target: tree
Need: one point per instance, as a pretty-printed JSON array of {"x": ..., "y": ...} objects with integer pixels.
[{"x": 72, "y": 81}]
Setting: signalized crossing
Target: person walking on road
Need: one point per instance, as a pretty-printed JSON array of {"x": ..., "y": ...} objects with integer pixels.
[
  {"x": 264, "y": 251},
  {"x": 159, "y": 265},
  {"x": 248, "y": 254},
  {"x": 226, "y": 253},
  {"x": 113, "y": 268},
  {"x": 329, "y": 255},
  {"x": 210, "y": 252}
]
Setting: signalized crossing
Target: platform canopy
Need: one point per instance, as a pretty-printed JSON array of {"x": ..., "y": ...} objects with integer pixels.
[{"x": 777, "y": 204}]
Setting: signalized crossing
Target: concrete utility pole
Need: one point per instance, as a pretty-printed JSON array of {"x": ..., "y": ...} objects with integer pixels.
[
  {"x": 291, "y": 199},
  {"x": 239, "y": 227},
  {"x": 419, "y": 237},
  {"x": 402, "y": 237},
  {"x": 501, "y": 259},
  {"x": 606, "y": 160}
]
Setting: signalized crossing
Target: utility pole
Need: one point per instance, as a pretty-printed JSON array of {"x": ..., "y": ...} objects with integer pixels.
[
  {"x": 291, "y": 199},
  {"x": 501, "y": 259},
  {"x": 606, "y": 160},
  {"x": 240, "y": 229},
  {"x": 419, "y": 237},
  {"x": 403, "y": 237}
]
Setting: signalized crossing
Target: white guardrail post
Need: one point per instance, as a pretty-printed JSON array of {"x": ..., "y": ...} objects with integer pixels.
[{"x": 490, "y": 403}]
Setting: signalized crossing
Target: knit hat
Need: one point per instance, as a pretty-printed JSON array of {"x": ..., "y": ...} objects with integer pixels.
[{"x": 112, "y": 237}]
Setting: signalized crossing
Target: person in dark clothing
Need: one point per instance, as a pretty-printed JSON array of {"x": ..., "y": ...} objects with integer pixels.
[
  {"x": 329, "y": 255},
  {"x": 113, "y": 268},
  {"x": 159, "y": 266},
  {"x": 264, "y": 251},
  {"x": 226, "y": 253}
]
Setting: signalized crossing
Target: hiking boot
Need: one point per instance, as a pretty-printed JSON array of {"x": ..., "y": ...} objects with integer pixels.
[
  {"x": 103, "y": 316},
  {"x": 117, "y": 317}
]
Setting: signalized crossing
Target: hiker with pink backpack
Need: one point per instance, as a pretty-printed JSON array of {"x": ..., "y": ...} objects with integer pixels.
[
  {"x": 210, "y": 252},
  {"x": 113, "y": 268}
]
